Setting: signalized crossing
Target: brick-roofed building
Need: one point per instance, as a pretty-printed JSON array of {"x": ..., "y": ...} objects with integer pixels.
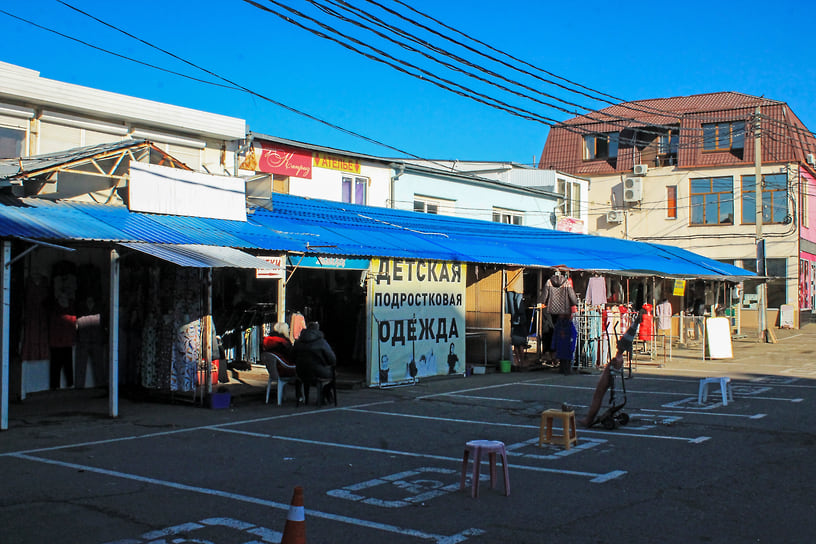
[{"x": 681, "y": 171}]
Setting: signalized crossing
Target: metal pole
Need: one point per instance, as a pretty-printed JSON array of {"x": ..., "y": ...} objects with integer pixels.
[
  {"x": 4, "y": 342},
  {"x": 113, "y": 341},
  {"x": 758, "y": 186}
]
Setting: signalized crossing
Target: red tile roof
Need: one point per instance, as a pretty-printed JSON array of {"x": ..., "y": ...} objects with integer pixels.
[{"x": 785, "y": 138}]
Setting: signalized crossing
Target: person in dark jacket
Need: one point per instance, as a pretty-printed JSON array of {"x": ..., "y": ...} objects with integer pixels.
[{"x": 314, "y": 357}]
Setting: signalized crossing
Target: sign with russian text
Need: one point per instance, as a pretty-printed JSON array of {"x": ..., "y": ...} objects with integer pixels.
[
  {"x": 278, "y": 271},
  {"x": 417, "y": 320},
  {"x": 334, "y": 162},
  {"x": 327, "y": 261},
  {"x": 278, "y": 159}
]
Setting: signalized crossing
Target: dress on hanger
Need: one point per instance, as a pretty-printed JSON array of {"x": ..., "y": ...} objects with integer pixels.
[
  {"x": 596, "y": 291},
  {"x": 297, "y": 325},
  {"x": 663, "y": 312}
]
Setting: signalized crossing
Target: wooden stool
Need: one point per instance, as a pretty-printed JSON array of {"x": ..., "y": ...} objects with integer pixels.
[
  {"x": 545, "y": 433},
  {"x": 492, "y": 448}
]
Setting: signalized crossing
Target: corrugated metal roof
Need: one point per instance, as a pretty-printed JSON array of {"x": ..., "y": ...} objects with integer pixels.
[
  {"x": 321, "y": 227},
  {"x": 31, "y": 165},
  {"x": 201, "y": 256}
]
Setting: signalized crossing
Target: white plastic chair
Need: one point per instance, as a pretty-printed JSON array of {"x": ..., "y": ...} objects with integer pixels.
[
  {"x": 270, "y": 360},
  {"x": 725, "y": 389}
]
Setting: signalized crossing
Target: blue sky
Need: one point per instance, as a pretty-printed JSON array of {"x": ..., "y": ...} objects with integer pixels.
[{"x": 642, "y": 50}]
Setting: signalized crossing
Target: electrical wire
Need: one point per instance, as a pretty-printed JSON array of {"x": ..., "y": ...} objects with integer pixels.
[{"x": 242, "y": 87}]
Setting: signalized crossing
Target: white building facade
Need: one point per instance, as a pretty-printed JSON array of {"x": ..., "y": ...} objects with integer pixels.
[{"x": 40, "y": 116}]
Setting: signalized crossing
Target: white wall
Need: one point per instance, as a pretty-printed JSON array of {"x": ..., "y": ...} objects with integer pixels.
[
  {"x": 327, "y": 184},
  {"x": 471, "y": 200}
]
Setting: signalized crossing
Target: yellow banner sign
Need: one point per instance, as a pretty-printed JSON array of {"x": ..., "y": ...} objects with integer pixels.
[
  {"x": 679, "y": 288},
  {"x": 333, "y": 162}
]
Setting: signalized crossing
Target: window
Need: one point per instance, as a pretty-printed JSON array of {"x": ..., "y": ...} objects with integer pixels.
[
  {"x": 712, "y": 201},
  {"x": 423, "y": 206},
  {"x": 804, "y": 207},
  {"x": 11, "y": 143},
  {"x": 427, "y": 204},
  {"x": 667, "y": 143},
  {"x": 671, "y": 201},
  {"x": 601, "y": 146},
  {"x": 776, "y": 292},
  {"x": 570, "y": 203},
  {"x": 509, "y": 217},
  {"x": 774, "y": 198},
  {"x": 724, "y": 136},
  {"x": 354, "y": 190}
]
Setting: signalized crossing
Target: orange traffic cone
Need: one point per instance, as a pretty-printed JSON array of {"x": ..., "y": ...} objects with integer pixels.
[{"x": 295, "y": 530}]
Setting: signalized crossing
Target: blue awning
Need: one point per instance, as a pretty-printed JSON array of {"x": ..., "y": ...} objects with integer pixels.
[
  {"x": 201, "y": 256},
  {"x": 315, "y": 228}
]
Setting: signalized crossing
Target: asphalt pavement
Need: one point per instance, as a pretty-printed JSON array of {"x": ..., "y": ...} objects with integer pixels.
[{"x": 385, "y": 464}]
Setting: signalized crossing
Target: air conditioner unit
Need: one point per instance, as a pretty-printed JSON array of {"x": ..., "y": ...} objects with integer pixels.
[
  {"x": 811, "y": 159},
  {"x": 641, "y": 169},
  {"x": 632, "y": 189},
  {"x": 614, "y": 216}
]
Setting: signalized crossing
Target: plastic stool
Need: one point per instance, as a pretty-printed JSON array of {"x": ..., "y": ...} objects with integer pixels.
[
  {"x": 492, "y": 448},
  {"x": 725, "y": 390},
  {"x": 569, "y": 434}
]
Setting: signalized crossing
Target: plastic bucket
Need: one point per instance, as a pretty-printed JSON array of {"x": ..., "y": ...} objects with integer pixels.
[{"x": 505, "y": 366}]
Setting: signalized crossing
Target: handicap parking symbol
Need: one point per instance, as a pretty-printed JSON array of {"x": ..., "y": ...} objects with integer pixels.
[{"x": 406, "y": 488}]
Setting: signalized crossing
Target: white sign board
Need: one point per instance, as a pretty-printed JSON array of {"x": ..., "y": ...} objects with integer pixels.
[
  {"x": 172, "y": 191},
  {"x": 417, "y": 320},
  {"x": 277, "y": 272},
  {"x": 718, "y": 338}
]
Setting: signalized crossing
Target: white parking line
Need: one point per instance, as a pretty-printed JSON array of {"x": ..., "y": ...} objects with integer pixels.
[
  {"x": 514, "y": 425},
  {"x": 618, "y": 390},
  {"x": 704, "y": 413},
  {"x": 440, "y": 539},
  {"x": 482, "y": 398},
  {"x": 593, "y": 475}
]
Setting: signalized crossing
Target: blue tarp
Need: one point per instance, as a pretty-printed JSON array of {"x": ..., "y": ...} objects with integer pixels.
[{"x": 320, "y": 227}]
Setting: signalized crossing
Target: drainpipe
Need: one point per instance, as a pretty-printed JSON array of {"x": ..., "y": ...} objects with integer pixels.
[
  {"x": 397, "y": 173},
  {"x": 241, "y": 149}
]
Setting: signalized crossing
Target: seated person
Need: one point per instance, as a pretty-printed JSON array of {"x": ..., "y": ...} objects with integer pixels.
[
  {"x": 314, "y": 357},
  {"x": 278, "y": 342}
]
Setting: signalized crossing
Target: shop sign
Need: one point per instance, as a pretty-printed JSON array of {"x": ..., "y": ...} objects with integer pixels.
[
  {"x": 278, "y": 159},
  {"x": 334, "y": 162},
  {"x": 570, "y": 224},
  {"x": 417, "y": 319},
  {"x": 679, "y": 288},
  {"x": 326, "y": 261},
  {"x": 278, "y": 271}
]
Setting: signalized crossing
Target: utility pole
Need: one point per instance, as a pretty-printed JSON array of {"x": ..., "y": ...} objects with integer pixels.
[{"x": 759, "y": 184}]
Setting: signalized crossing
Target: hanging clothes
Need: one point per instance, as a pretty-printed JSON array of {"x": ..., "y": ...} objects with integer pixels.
[
  {"x": 298, "y": 323},
  {"x": 645, "y": 330},
  {"x": 565, "y": 336},
  {"x": 35, "y": 336},
  {"x": 596, "y": 291},
  {"x": 559, "y": 296},
  {"x": 664, "y": 315}
]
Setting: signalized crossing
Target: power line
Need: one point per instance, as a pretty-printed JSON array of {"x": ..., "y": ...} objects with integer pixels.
[
  {"x": 109, "y": 52},
  {"x": 241, "y": 87},
  {"x": 441, "y": 51}
]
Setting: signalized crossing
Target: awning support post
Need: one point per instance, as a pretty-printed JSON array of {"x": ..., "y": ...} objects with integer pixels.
[
  {"x": 113, "y": 341},
  {"x": 4, "y": 341}
]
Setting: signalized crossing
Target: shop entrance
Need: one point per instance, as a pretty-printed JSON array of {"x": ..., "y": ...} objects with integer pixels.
[{"x": 335, "y": 298}]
